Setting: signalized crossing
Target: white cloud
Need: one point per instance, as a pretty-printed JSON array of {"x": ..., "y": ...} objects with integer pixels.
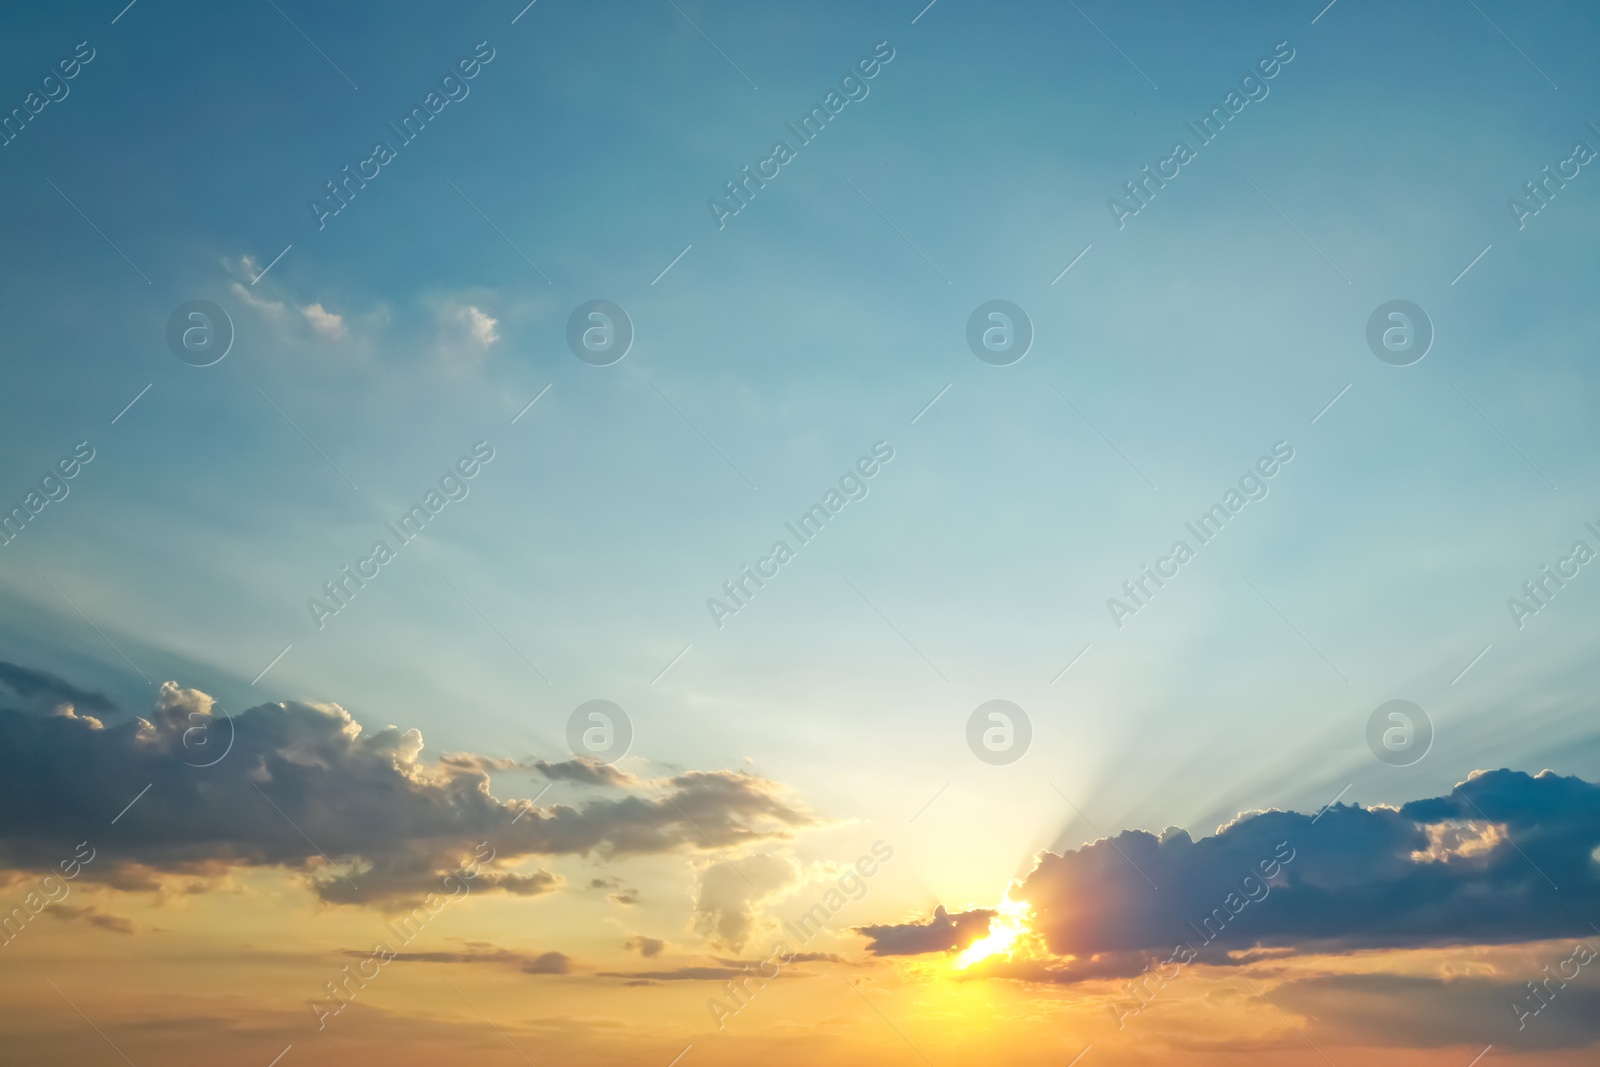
[
  {"x": 244, "y": 267},
  {"x": 325, "y": 322},
  {"x": 480, "y": 327},
  {"x": 465, "y": 332},
  {"x": 272, "y": 307}
]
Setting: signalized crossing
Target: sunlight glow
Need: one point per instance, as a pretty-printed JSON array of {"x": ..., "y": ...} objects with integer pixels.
[{"x": 1007, "y": 927}]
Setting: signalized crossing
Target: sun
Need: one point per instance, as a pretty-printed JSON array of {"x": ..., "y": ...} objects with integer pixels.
[{"x": 1007, "y": 927}]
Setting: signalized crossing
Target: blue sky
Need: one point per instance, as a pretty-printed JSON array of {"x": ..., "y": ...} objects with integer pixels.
[{"x": 1206, "y": 330}]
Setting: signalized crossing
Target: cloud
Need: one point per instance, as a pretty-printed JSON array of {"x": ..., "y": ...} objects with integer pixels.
[
  {"x": 648, "y": 947},
  {"x": 1477, "y": 866},
  {"x": 624, "y": 897},
  {"x": 585, "y": 770},
  {"x": 247, "y": 271},
  {"x": 44, "y": 693},
  {"x": 94, "y": 916},
  {"x": 470, "y": 761},
  {"x": 678, "y": 974},
  {"x": 792, "y": 957},
  {"x": 480, "y": 327},
  {"x": 325, "y": 322},
  {"x": 548, "y": 963},
  {"x": 729, "y": 896},
  {"x": 724, "y": 970},
  {"x": 483, "y": 952},
  {"x": 942, "y": 933},
  {"x": 818, "y": 957},
  {"x": 393, "y": 825},
  {"x": 465, "y": 328},
  {"x": 260, "y": 303}
]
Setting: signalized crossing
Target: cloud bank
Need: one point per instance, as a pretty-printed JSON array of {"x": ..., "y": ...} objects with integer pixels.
[
  {"x": 1505, "y": 857},
  {"x": 1478, "y": 866},
  {"x": 305, "y": 787}
]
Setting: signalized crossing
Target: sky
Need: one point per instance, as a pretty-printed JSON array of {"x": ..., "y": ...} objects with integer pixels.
[{"x": 980, "y": 347}]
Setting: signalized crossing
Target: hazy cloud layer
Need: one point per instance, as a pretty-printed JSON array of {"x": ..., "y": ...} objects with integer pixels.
[{"x": 1422, "y": 1012}]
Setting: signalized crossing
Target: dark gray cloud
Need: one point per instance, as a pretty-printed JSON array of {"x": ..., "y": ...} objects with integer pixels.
[
  {"x": 678, "y": 974},
  {"x": 294, "y": 773},
  {"x": 584, "y": 771},
  {"x": 648, "y": 947},
  {"x": 794, "y": 957},
  {"x": 942, "y": 933},
  {"x": 405, "y": 874},
  {"x": 724, "y": 970},
  {"x": 93, "y": 916},
  {"x": 483, "y": 952},
  {"x": 1477, "y": 866},
  {"x": 471, "y": 761},
  {"x": 43, "y": 692},
  {"x": 622, "y": 896}
]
